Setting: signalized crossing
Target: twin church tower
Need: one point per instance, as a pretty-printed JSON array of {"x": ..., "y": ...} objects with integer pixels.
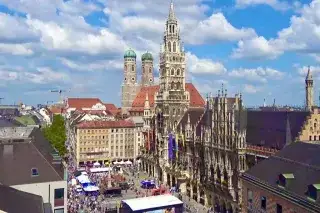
[
  {"x": 171, "y": 86},
  {"x": 130, "y": 85}
]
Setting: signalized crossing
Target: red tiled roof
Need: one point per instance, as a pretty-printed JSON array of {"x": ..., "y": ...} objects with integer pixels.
[
  {"x": 56, "y": 110},
  {"x": 79, "y": 103},
  {"x": 96, "y": 112},
  {"x": 110, "y": 106},
  {"x": 138, "y": 104},
  {"x": 105, "y": 124}
]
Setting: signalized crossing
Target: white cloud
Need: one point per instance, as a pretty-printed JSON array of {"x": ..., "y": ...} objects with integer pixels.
[
  {"x": 257, "y": 75},
  {"x": 248, "y": 88},
  {"x": 276, "y": 4},
  {"x": 256, "y": 48},
  {"x": 303, "y": 35},
  {"x": 204, "y": 66},
  {"x": 55, "y": 37},
  {"x": 44, "y": 75},
  {"x": 315, "y": 71},
  {"x": 8, "y": 75},
  {"x": 96, "y": 66},
  {"x": 217, "y": 28},
  {"x": 14, "y": 30},
  {"x": 15, "y": 49}
]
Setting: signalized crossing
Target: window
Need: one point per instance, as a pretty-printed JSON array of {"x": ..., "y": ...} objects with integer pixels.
[
  {"x": 59, "y": 197},
  {"x": 132, "y": 68},
  {"x": 34, "y": 172},
  {"x": 174, "y": 47},
  {"x": 59, "y": 210},
  {"x": 279, "y": 208},
  {"x": 250, "y": 196},
  {"x": 263, "y": 203},
  {"x": 314, "y": 138}
]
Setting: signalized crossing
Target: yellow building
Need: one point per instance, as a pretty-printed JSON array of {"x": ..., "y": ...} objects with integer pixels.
[{"x": 105, "y": 141}]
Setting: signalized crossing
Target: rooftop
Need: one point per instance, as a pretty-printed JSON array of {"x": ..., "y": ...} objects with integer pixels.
[
  {"x": 19, "y": 158},
  {"x": 106, "y": 124},
  {"x": 27, "y": 203},
  {"x": 138, "y": 104},
  {"x": 146, "y": 203},
  {"x": 15, "y": 132},
  {"x": 300, "y": 160},
  {"x": 26, "y": 120},
  {"x": 273, "y": 129}
]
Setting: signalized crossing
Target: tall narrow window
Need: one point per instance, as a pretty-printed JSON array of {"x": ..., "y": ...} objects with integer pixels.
[
  {"x": 172, "y": 71},
  {"x": 174, "y": 46},
  {"x": 132, "y": 67},
  {"x": 169, "y": 46},
  {"x": 263, "y": 203},
  {"x": 279, "y": 208},
  {"x": 172, "y": 28}
]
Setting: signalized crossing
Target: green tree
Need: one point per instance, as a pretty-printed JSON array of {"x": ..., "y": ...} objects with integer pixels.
[{"x": 56, "y": 134}]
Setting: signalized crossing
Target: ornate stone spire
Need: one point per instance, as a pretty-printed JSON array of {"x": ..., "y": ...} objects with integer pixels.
[
  {"x": 309, "y": 74},
  {"x": 172, "y": 15}
]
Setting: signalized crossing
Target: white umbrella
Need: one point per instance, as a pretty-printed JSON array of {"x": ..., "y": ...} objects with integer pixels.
[
  {"x": 122, "y": 162},
  {"x": 116, "y": 162},
  {"x": 96, "y": 164}
]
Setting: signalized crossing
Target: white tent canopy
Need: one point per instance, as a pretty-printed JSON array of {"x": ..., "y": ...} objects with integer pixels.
[
  {"x": 83, "y": 179},
  {"x": 91, "y": 189},
  {"x": 122, "y": 162},
  {"x": 96, "y": 164},
  {"x": 128, "y": 162},
  {"x": 116, "y": 162}
]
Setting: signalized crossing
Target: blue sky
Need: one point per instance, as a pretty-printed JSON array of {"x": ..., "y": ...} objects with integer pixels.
[{"x": 258, "y": 47}]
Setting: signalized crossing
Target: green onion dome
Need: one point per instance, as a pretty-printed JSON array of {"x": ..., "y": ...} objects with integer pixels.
[
  {"x": 130, "y": 54},
  {"x": 147, "y": 56}
]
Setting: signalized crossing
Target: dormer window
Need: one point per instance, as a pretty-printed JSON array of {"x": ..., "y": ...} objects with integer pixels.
[
  {"x": 312, "y": 192},
  {"x": 285, "y": 179},
  {"x": 34, "y": 172}
]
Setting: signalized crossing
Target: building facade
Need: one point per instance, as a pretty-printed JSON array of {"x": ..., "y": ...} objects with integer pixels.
[{"x": 106, "y": 141}]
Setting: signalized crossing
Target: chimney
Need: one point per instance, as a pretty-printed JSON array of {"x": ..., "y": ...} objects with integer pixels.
[{"x": 8, "y": 150}]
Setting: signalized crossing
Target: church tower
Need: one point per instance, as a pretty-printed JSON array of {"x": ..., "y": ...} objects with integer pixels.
[
  {"x": 309, "y": 90},
  {"x": 130, "y": 86},
  {"x": 172, "y": 99},
  {"x": 147, "y": 69}
]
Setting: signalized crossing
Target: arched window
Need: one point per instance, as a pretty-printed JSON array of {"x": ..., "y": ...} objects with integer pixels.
[
  {"x": 174, "y": 47},
  {"x": 172, "y": 71},
  {"x": 172, "y": 28},
  {"x": 178, "y": 72},
  {"x": 169, "y": 46},
  {"x": 150, "y": 71},
  {"x": 132, "y": 68}
]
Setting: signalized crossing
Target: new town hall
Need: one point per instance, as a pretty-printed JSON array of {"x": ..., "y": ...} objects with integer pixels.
[{"x": 203, "y": 147}]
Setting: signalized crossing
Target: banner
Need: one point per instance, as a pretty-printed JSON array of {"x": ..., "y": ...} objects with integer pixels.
[
  {"x": 177, "y": 145},
  {"x": 170, "y": 144}
]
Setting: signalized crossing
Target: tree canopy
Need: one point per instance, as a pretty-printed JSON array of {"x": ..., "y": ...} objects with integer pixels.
[{"x": 56, "y": 134}]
